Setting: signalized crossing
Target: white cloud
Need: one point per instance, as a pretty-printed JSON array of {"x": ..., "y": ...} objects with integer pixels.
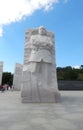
[
  {"x": 1, "y": 32},
  {"x": 15, "y": 10},
  {"x": 76, "y": 67}
]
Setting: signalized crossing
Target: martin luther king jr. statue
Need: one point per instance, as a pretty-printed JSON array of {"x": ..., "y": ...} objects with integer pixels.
[{"x": 39, "y": 71}]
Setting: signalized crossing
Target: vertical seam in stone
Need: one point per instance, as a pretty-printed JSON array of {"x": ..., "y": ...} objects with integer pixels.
[
  {"x": 38, "y": 91},
  {"x": 31, "y": 86}
]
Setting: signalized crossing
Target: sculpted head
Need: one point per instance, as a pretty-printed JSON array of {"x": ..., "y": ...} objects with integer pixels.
[{"x": 42, "y": 30}]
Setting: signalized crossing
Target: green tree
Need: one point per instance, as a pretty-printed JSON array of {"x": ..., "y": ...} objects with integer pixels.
[
  {"x": 7, "y": 78},
  {"x": 68, "y": 73},
  {"x": 81, "y": 67},
  {"x": 60, "y": 73},
  {"x": 80, "y": 76}
]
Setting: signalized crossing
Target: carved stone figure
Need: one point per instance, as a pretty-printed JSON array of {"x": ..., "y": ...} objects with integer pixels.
[
  {"x": 39, "y": 71},
  {"x": 1, "y": 70}
]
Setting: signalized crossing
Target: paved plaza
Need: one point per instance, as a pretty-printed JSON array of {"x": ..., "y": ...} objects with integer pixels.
[{"x": 67, "y": 115}]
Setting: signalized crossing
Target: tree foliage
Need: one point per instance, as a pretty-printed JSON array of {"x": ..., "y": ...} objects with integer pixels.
[
  {"x": 69, "y": 73},
  {"x": 7, "y": 78}
]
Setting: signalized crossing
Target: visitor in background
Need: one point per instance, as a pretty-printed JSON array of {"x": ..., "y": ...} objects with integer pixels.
[{"x": 4, "y": 87}]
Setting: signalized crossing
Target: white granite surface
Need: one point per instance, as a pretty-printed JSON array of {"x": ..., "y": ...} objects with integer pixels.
[
  {"x": 17, "y": 80},
  {"x": 39, "y": 71},
  {"x": 1, "y": 71},
  {"x": 67, "y": 115}
]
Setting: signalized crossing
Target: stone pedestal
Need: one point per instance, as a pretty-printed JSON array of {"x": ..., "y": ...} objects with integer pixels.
[
  {"x": 17, "y": 80},
  {"x": 1, "y": 71},
  {"x": 39, "y": 71}
]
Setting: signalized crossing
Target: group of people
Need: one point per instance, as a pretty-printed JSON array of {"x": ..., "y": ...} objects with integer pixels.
[{"x": 5, "y": 87}]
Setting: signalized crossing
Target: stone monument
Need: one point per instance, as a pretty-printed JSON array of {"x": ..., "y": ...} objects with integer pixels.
[
  {"x": 17, "y": 80},
  {"x": 39, "y": 70},
  {"x": 1, "y": 70}
]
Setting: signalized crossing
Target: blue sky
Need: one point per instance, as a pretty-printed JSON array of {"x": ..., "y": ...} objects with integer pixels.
[{"x": 63, "y": 17}]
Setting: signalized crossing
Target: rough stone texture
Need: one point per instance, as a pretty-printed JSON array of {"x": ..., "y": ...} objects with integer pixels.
[
  {"x": 39, "y": 71},
  {"x": 17, "y": 80},
  {"x": 1, "y": 70}
]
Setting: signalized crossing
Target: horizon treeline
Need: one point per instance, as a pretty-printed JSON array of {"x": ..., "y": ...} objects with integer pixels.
[
  {"x": 70, "y": 73},
  {"x": 63, "y": 73}
]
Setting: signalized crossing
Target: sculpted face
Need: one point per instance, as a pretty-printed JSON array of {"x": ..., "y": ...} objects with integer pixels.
[{"x": 42, "y": 30}]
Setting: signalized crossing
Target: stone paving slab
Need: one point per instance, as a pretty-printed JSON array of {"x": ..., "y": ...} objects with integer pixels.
[{"x": 67, "y": 115}]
